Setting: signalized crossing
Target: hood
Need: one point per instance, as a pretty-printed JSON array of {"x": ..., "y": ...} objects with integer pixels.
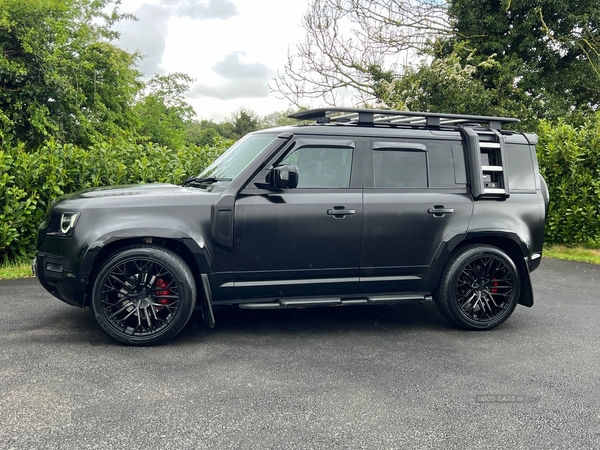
[
  {"x": 154, "y": 189},
  {"x": 137, "y": 195}
]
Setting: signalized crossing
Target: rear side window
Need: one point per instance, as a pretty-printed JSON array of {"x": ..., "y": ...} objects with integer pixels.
[
  {"x": 419, "y": 164},
  {"x": 446, "y": 164},
  {"x": 520, "y": 167},
  {"x": 400, "y": 168}
]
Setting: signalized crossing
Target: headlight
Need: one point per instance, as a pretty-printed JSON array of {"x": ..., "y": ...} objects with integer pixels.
[
  {"x": 67, "y": 222},
  {"x": 62, "y": 224}
]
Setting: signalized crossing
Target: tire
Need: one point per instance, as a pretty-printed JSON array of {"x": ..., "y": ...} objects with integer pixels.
[
  {"x": 479, "y": 289},
  {"x": 143, "y": 295}
]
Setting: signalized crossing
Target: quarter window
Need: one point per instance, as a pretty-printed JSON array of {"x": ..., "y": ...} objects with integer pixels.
[{"x": 520, "y": 167}]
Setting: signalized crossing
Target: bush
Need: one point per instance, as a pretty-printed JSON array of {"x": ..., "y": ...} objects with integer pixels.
[
  {"x": 569, "y": 159},
  {"x": 31, "y": 180}
]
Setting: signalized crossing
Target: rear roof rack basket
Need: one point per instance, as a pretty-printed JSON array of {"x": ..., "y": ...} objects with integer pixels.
[{"x": 363, "y": 116}]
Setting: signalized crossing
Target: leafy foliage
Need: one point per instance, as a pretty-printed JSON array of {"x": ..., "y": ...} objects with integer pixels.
[
  {"x": 163, "y": 112},
  {"x": 60, "y": 76},
  {"x": 31, "y": 180},
  {"x": 278, "y": 119},
  {"x": 569, "y": 159},
  {"x": 241, "y": 122},
  {"x": 202, "y": 132},
  {"x": 439, "y": 86},
  {"x": 548, "y": 51},
  {"x": 516, "y": 57}
]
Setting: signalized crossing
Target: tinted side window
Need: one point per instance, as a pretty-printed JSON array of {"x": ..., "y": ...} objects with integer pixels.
[
  {"x": 446, "y": 164},
  {"x": 400, "y": 168},
  {"x": 321, "y": 166},
  {"x": 520, "y": 167}
]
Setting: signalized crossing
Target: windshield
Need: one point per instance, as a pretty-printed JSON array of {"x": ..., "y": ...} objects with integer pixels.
[{"x": 233, "y": 161}]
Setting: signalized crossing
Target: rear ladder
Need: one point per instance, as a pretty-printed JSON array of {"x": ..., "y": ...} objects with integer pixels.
[{"x": 487, "y": 163}]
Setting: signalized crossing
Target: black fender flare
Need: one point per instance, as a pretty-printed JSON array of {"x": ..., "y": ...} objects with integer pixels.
[
  {"x": 193, "y": 242},
  {"x": 520, "y": 256}
]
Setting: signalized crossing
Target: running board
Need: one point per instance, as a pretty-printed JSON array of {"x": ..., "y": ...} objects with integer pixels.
[
  {"x": 328, "y": 302},
  {"x": 300, "y": 303},
  {"x": 398, "y": 298}
]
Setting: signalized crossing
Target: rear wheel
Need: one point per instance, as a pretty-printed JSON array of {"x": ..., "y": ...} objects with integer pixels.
[
  {"x": 143, "y": 295},
  {"x": 479, "y": 288}
]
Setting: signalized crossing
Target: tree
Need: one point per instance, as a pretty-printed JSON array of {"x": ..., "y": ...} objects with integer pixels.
[
  {"x": 241, "y": 122},
  {"x": 540, "y": 58},
  {"x": 443, "y": 85},
  {"x": 203, "y": 132},
  {"x": 162, "y": 110},
  {"x": 60, "y": 76},
  {"x": 348, "y": 41},
  {"x": 549, "y": 50},
  {"x": 278, "y": 119}
]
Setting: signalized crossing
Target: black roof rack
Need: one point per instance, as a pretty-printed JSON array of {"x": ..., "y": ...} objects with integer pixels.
[{"x": 363, "y": 116}]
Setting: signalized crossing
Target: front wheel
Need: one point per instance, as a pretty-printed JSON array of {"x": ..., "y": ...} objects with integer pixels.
[
  {"x": 143, "y": 295},
  {"x": 479, "y": 288}
]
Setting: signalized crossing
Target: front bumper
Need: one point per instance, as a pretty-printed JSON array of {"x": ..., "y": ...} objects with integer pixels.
[{"x": 63, "y": 284}]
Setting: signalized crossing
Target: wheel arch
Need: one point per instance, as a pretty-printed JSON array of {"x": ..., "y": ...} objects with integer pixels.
[
  {"x": 194, "y": 256},
  {"x": 513, "y": 249}
]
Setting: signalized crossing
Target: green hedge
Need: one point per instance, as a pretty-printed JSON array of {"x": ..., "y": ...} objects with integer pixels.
[
  {"x": 31, "y": 180},
  {"x": 569, "y": 158}
]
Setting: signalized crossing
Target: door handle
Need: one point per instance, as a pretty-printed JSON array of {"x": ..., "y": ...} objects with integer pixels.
[
  {"x": 440, "y": 211},
  {"x": 339, "y": 212}
]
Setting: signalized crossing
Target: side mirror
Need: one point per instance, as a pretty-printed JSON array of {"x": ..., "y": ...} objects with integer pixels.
[{"x": 284, "y": 177}]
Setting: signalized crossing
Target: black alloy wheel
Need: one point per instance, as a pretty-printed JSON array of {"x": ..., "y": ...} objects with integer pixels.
[
  {"x": 143, "y": 295},
  {"x": 479, "y": 289}
]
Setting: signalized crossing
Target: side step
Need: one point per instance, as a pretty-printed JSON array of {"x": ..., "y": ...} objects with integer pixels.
[
  {"x": 398, "y": 298},
  {"x": 328, "y": 302}
]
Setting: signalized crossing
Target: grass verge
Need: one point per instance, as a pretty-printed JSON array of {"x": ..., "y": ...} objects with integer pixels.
[
  {"x": 12, "y": 270},
  {"x": 582, "y": 254}
]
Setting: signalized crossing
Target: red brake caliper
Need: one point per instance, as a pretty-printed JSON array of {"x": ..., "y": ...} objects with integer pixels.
[
  {"x": 494, "y": 290},
  {"x": 162, "y": 284}
]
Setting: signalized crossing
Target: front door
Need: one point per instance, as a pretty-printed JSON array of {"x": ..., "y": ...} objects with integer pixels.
[{"x": 303, "y": 241}]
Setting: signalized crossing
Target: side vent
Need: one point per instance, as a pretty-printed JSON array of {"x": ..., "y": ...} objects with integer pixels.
[{"x": 487, "y": 164}]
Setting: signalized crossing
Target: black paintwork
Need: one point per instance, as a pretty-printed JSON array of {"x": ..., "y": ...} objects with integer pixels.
[{"x": 254, "y": 244}]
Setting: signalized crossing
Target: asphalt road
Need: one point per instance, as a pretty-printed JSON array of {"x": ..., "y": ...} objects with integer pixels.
[{"x": 364, "y": 377}]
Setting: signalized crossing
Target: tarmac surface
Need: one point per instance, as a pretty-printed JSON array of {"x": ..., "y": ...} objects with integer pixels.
[{"x": 380, "y": 377}]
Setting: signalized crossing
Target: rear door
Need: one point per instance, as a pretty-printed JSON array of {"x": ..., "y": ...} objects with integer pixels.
[{"x": 416, "y": 204}]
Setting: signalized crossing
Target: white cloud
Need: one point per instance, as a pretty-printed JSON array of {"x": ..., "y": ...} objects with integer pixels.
[
  {"x": 232, "y": 68},
  {"x": 213, "y": 9},
  {"x": 231, "y": 47},
  {"x": 242, "y": 80},
  {"x": 147, "y": 35}
]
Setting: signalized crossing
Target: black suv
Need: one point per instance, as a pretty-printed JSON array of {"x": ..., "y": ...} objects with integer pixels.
[{"x": 365, "y": 207}]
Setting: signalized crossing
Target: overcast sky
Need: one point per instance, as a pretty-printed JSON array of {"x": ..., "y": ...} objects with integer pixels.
[{"x": 233, "y": 48}]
